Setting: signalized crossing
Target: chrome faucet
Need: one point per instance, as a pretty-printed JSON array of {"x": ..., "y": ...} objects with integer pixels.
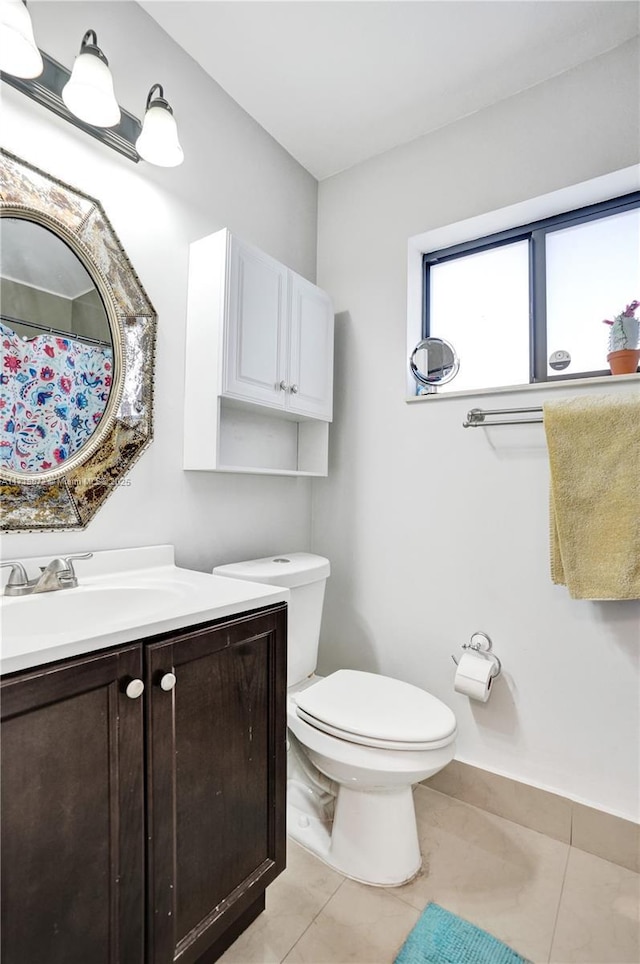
[{"x": 59, "y": 574}]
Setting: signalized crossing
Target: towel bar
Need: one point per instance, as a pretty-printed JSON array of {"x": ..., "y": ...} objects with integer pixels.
[{"x": 476, "y": 417}]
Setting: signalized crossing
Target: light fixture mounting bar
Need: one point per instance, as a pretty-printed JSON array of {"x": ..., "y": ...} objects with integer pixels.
[{"x": 47, "y": 89}]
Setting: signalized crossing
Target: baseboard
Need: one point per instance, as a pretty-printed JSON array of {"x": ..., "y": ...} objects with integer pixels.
[{"x": 586, "y": 828}]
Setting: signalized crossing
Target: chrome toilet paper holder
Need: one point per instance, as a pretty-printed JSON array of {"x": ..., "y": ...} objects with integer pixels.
[{"x": 480, "y": 643}]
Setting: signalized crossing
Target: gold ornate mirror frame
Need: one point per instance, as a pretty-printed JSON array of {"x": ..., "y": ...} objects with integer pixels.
[{"x": 68, "y": 495}]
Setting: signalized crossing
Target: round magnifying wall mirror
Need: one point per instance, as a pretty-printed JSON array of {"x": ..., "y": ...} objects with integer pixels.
[
  {"x": 57, "y": 350},
  {"x": 433, "y": 362}
]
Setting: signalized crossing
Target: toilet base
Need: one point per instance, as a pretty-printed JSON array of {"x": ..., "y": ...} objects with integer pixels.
[{"x": 373, "y": 837}]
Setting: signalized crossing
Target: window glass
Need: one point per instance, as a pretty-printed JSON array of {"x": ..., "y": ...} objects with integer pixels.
[
  {"x": 480, "y": 303},
  {"x": 593, "y": 272}
]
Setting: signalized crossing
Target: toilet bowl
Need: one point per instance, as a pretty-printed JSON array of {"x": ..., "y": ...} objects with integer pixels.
[{"x": 358, "y": 742}]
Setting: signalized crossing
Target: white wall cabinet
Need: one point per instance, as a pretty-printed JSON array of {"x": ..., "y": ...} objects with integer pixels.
[{"x": 259, "y": 363}]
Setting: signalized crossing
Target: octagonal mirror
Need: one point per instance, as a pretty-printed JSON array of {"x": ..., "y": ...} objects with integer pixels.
[{"x": 78, "y": 337}]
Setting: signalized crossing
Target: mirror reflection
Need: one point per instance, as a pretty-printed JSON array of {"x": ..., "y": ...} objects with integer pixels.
[
  {"x": 57, "y": 351},
  {"x": 433, "y": 362}
]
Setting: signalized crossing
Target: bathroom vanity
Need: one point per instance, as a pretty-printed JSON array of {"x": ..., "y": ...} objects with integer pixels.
[{"x": 143, "y": 786}]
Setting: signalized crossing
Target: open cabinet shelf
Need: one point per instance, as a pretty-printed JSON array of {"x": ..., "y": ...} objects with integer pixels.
[{"x": 262, "y": 442}]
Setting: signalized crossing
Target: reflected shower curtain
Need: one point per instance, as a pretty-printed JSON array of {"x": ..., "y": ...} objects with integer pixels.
[{"x": 53, "y": 392}]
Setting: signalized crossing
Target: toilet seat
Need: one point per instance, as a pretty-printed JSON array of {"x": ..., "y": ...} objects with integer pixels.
[{"x": 377, "y": 711}]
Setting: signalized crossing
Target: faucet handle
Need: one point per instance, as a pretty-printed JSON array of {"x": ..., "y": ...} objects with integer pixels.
[
  {"x": 69, "y": 561},
  {"x": 17, "y": 576}
]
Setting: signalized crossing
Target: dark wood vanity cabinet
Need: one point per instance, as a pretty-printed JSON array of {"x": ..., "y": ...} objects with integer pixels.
[
  {"x": 216, "y": 783},
  {"x": 144, "y": 831},
  {"x": 72, "y": 813}
]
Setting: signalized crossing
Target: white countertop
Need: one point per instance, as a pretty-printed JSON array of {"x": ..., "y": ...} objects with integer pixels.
[{"x": 123, "y": 595}]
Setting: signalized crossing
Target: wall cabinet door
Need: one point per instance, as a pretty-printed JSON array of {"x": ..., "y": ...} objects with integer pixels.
[
  {"x": 255, "y": 330},
  {"x": 216, "y": 782},
  {"x": 73, "y": 813},
  {"x": 310, "y": 375}
]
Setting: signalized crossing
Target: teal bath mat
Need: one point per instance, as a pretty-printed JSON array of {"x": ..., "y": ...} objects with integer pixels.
[{"x": 442, "y": 938}]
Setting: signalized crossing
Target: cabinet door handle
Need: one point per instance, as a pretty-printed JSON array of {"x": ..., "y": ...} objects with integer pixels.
[
  {"x": 283, "y": 386},
  {"x": 294, "y": 389},
  {"x": 134, "y": 689},
  {"x": 167, "y": 681}
]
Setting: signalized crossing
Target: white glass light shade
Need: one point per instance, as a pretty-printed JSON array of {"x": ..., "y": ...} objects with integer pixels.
[
  {"x": 158, "y": 142},
  {"x": 19, "y": 55},
  {"x": 89, "y": 92}
]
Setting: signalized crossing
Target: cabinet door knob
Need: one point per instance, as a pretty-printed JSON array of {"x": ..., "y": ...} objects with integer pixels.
[
  {"x": 134, "y": 689},
  {"x": 294, "y": 389},
  {"x": 283, "y": 386},
  {"x": 168, "y": 681}
]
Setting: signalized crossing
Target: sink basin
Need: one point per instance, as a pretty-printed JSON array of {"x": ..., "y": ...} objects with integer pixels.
[
  {"x": 69, "y": 611},
  {"x": 123, "y": 596}
]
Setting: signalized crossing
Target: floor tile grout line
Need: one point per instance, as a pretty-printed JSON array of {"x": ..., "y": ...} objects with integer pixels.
[
  {"x": 404, "y": 900},
  {"x": 390, "y": 893},
  {"x": 315, "y": 916},
  {"x": 384, "y": 890},
  {"x": 555, "y": 923}
]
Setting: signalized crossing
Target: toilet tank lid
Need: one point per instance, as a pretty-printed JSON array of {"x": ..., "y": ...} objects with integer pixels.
[
  {"x": 289, "y": 569},
  {"x": 379, "y": 707}
]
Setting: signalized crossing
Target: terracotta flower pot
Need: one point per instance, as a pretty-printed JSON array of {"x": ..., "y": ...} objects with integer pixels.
[{"x": 624, "y": 362}]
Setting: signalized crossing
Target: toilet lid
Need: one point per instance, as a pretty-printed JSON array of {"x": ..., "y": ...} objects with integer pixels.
[{"x": 376, "y": 710}]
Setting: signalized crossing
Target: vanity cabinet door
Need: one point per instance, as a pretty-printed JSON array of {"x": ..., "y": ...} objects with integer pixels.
[
  {"x": 217, "y": 781},
  {"x": 256, "y": 328},
  {"x": 73, "y": 813},
  {"x": 310, "y": 376}
]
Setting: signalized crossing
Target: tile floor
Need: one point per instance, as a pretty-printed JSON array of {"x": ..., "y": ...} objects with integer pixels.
[{"x": 547, "y": 900}]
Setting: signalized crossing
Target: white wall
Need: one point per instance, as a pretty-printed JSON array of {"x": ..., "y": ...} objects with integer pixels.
[
  {"x": 434, "y": 531},
  {"x": 234, "y": 175}
]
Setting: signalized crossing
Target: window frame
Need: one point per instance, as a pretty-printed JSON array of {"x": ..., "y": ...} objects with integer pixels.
[{"x": 535, "y": 232}]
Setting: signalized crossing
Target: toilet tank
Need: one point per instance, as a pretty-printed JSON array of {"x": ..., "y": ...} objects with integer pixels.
[{"x": 305, "y": 575}]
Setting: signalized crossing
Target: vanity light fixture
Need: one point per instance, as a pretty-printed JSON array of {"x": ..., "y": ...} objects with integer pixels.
[
  {"x": 89, "y": 91},
  {"x": 158, "y": 143},
  {"x": 19, "y": 54},
  {"x": 85, "y": 96}
]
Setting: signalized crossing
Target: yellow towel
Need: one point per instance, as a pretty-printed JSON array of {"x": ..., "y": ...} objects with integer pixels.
[{"x": 594, "y": 456}]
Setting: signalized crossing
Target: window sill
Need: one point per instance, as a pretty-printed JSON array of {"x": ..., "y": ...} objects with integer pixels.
[{"x": 538, "y": 386}]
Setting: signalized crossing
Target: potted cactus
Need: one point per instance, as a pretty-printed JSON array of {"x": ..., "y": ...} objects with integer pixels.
[{"x": 624, "y": 341}]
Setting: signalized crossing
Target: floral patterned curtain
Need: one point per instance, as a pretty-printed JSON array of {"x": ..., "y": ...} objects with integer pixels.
[{"x": 53, "y": 392}]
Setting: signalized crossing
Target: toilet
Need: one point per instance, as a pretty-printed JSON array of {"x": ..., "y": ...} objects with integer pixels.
[{"x": 357, "y": 742}]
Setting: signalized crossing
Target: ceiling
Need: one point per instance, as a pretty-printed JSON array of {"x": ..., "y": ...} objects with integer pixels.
[
  {"x": 34, "y": 256},
  {"x": 338, "y": 82}
]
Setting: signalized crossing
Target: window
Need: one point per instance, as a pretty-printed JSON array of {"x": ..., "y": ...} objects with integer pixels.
[{"x": 526, "y": 304}]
